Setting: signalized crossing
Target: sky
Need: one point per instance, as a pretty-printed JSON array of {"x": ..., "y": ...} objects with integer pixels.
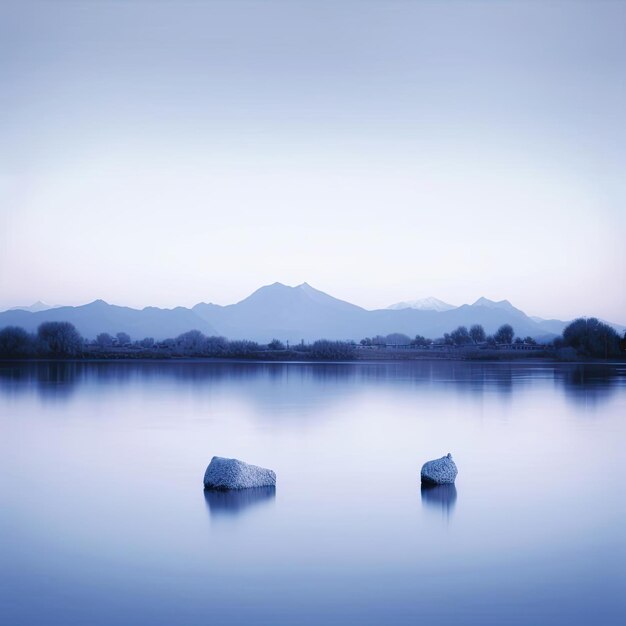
[{"x": 167, "y": 153}]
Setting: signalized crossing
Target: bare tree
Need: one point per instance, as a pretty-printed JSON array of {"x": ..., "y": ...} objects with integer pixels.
[
  {"x": 504, "y": 334},
  {"x": 399, "y": 339},
  {"x": 123, "y": 339},
  {"x": 59, "y": 338},
  {"x": 421, "y": 341},
  {"x": 477, "y": 333},
  {"x": 15, "y": 342},
  {"x": 191, "y": 342},
  {"x": 591, "y": 337},
  {"x": 460, "y": 336},
  {"x": 104, "y": 340}
]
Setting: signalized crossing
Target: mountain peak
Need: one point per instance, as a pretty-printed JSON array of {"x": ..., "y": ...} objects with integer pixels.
[
  {"x": 492, "y": 304},
  {"x": 97, "y": 303},
  {"x": 307, "y": 289},
  {"x": 282, "y": 297},
  {"x": 423, "y": 304},
  {"x": 34, "y": 308}
]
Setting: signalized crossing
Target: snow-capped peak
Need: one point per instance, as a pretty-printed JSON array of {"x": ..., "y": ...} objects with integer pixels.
[{"x": 424, "y": 304}]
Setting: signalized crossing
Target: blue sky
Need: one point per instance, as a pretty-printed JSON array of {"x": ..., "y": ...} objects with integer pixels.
[{"x": 157, "y": 153}]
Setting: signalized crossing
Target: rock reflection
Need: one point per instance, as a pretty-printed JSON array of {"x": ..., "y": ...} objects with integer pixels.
[
  {"x": 440, "y": 497},
  {"x": 238, "y": 501}
]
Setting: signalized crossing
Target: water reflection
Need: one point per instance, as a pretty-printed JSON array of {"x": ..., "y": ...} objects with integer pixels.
[
  {"x": 55, "y": 380},
  {"x": 269, "y": 386},
  {"x": 440, "y": 497},
  {"x": 238, "y": 501},
  {"x": 548, "y": 552},
  {"x": 589, "y": 383}
]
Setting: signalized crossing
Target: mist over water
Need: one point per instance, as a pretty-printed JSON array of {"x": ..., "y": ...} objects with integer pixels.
[{"x": 105, "y": 521}]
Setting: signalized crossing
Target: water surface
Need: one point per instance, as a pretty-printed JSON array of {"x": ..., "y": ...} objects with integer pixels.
[{"x": 103, "y": 519}]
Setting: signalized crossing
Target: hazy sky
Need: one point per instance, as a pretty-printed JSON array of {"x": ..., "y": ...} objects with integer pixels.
[{"x": 157, "y": 153}]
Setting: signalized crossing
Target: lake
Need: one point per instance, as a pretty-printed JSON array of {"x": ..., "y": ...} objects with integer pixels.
[{"x": 103, "y": 517}]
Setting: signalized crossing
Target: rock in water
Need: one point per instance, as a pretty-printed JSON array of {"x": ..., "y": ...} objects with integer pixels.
[
  {"x": 223, "y": 474},
  {"x": 441, "y": 471}
]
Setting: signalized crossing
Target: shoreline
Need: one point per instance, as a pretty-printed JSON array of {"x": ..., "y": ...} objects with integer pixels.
[{"x": 521, "y": 359}]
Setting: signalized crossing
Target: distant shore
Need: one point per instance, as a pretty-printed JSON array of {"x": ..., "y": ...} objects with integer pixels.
[
  {"x": 583, "y": 337},
  {"x": 381, "y": 356}
]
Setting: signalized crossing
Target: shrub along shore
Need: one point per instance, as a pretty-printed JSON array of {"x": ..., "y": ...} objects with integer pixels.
[{"x": 583, "y": 338}]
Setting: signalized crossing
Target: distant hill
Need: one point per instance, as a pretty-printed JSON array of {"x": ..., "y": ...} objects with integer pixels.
[
  {"x": 35, "y": 308},
  {"x": 503, "y": 305},
  {"x": 424, "y": 304},
  {"x": 286, "y": 313},
  {"x": 289, "y": 314},
  {"x": 99, "y": 316}
]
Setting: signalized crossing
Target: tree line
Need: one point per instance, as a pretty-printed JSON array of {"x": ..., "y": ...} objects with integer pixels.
[
  {"x": 461, "y": 336},
  {"x": 584, "y": 337},
  {"x": 62, "y": 340}
]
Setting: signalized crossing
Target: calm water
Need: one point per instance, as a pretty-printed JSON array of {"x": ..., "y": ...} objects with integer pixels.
[{"x": 103, "y": 519}]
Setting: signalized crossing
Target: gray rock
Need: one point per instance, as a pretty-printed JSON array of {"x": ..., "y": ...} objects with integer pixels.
[
  {"x": 224, "y": 474},
  {"x": 441, "y": 471}
]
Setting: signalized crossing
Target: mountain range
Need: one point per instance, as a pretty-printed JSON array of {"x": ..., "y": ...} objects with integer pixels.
[{"x": 290, "y": 314}]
